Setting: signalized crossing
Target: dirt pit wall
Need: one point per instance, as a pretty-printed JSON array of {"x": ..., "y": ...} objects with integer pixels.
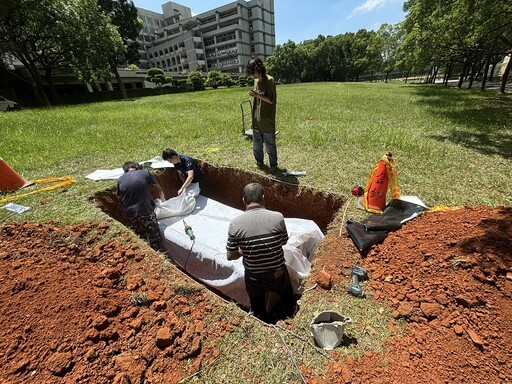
[{"x": 225, "y": 185}]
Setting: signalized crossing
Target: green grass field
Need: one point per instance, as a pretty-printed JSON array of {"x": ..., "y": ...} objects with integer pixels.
[{"x": 452, "y": 146}]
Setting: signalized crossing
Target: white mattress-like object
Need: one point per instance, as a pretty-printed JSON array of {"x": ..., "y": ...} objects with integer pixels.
[{"x": 205, "y": 258}]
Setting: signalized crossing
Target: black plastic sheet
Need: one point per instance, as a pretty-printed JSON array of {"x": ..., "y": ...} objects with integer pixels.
[{"x": 375, "y": 228}]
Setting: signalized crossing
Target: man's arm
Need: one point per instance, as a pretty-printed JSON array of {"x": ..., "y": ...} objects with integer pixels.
[
  {"x": 233, "y": 255},
  {"x": 232, "y": 248},
  {"x": 160, "y": 192},
  {"x": 187, "y": 181},
  {"x": 284, "y": 237},
  {"x": 261, "y": 97}
]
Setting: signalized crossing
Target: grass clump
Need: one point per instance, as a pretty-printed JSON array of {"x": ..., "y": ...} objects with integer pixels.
[{"x": 140, "y": 299}]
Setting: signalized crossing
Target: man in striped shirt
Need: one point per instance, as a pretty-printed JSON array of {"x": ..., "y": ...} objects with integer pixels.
[{"x": 258, "y": 236}]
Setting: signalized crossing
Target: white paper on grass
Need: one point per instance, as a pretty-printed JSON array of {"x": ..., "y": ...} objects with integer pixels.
[
  {"x": 16, "y": 208},
  {"x": 156, "y": 163},
  {"x": 205, "y": 258},
  {"x": 113, "y": 174},
  {"x": 414, "y": 200},
  {"x": 105, "y": 174}
]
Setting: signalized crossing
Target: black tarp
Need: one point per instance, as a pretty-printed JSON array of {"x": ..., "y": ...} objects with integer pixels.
[{"x": 375, "y": 228}]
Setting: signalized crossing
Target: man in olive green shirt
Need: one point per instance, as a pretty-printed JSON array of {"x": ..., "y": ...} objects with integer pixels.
[{"x": 263, "y": 113}]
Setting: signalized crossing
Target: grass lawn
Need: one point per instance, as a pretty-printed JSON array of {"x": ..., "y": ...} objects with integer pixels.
[{"x": 452, "y": 146}]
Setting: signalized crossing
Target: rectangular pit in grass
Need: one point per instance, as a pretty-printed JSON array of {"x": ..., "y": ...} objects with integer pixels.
[{"x": 307, "y": 215}]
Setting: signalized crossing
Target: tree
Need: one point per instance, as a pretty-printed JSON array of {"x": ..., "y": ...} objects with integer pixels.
[
  {"x": 283, "y": 64},
  {"x": 214, "y": 79},
  {"x": 156, "y": 76},
  {"x": 195, "y": 81},
  {"x": 57, "y": 35},
  {"x": 227, "y": 80},
  {"x": 467, "y": 31},
  {"x": 22, "y": 31},
  {"x": 390, "y": 37},
  {"x": 123, "y": 14},
  {"x": 90, "y": 38}
]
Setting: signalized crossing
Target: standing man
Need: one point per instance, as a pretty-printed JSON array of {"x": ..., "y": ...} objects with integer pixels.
[
  {"x": 263, "y": 114},
  {"x": 258, "y": 235},
  {"x": 188, "y": 169},
  {"x": 133, "y": 187}
]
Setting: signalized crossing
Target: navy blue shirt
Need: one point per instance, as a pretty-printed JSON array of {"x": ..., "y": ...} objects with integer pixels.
[
  {"x": 189, "y": 164},
  {"x": 133, "y": 189}
]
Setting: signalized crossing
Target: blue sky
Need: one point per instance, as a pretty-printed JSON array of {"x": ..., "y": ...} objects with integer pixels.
[{"x": 299, "y": 21}]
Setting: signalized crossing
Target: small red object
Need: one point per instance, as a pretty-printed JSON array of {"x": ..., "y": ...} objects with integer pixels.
[{"x": 357, "y": 191}]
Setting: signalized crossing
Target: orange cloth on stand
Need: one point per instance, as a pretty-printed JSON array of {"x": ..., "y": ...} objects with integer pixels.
[{"x": 382, "y": 176}]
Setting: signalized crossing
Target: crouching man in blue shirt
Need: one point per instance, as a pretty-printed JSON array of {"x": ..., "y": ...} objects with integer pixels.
[{"x": 133, "y": 187}]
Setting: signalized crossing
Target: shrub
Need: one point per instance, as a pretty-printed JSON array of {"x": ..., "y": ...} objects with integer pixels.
[
  {"x": 195, "y": 81},
  {"x": 214, "y": 79}
]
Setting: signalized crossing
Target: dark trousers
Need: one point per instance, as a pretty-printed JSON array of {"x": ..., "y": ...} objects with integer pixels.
[
  {"x": 270, "y": 294},
  {"x": 147, "y": 228}
]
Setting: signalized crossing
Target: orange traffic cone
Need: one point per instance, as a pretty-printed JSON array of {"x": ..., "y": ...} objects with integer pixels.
[{"x": 9, "y": 179}]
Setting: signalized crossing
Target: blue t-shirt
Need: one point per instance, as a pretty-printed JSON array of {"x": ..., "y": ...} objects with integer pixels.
[
  {"x": 188, "y": 164},
  {"x": 133, "y": 189}
]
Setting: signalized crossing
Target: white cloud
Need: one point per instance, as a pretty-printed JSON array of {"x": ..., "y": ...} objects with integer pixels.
[{"x": 368, "y": 6}]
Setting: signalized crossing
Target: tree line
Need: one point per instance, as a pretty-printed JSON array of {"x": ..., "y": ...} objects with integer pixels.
[
  {"x": 89, "y": 39},
  {"x": 456, "y": 37},
  {"x": 82, "y": 38}
]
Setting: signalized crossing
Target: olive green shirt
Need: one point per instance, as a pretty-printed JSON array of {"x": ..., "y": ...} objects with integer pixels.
[{"x": 264, "y": 114}]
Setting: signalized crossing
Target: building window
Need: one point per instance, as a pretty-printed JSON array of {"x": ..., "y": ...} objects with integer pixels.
[
  {"x": 252, "y": 49},
  {"x": 225, "y": 37},
  {"x": 231, "y": 12},
  {"x": 249, "y": 12}
]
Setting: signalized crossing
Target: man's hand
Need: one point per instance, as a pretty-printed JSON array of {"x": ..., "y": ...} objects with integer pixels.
[{"x": 233, "y": 255}]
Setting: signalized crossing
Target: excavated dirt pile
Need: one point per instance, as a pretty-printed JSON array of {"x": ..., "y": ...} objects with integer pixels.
[
  {"x": 77, "y": 311},
  {"x": 449, "y": 276}
]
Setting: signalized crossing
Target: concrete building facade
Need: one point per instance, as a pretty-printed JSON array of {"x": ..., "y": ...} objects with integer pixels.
[{"x": 224, "y": 38}]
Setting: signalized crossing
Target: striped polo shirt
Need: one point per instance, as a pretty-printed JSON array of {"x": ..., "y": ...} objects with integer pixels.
[{"x": 260, "y": 234}]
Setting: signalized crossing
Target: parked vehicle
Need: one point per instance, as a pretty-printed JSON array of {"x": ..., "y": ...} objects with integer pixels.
[{"x": 6, "y": 105}]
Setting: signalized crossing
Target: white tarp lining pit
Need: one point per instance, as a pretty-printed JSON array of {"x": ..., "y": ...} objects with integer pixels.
[{"x": 205, "y": 257}]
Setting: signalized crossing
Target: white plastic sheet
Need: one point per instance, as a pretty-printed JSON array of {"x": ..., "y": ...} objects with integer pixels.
[
  {"x": 205, "y": 257},
  {"x": 113, "y": 174},
  {"x": 180, "y": 205}
]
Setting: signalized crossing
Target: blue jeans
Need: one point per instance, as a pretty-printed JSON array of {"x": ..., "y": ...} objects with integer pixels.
[{"x": 269, "y": 139}]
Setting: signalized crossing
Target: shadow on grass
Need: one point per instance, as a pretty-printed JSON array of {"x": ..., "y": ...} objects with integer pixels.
[
  {"x": 484, "y": 117},
  {"x": 495, "y": 242}
]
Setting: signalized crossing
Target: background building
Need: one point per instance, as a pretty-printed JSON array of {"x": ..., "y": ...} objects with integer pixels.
[{"x": 224, "y": 38}]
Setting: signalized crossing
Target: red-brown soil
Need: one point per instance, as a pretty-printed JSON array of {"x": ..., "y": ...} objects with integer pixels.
[
  {"x": 449, "y": 276},
  {"x": 67, "y": 317},
  {"x": 66, "y": 314}
]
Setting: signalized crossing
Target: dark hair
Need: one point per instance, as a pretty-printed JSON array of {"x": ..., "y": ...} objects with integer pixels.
[
  {"x": 130, "y": 165},
  {"x": 255, "y": 65},
  {"x": 253, "y": 193},
  {"x": 168, "y": 153}
]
